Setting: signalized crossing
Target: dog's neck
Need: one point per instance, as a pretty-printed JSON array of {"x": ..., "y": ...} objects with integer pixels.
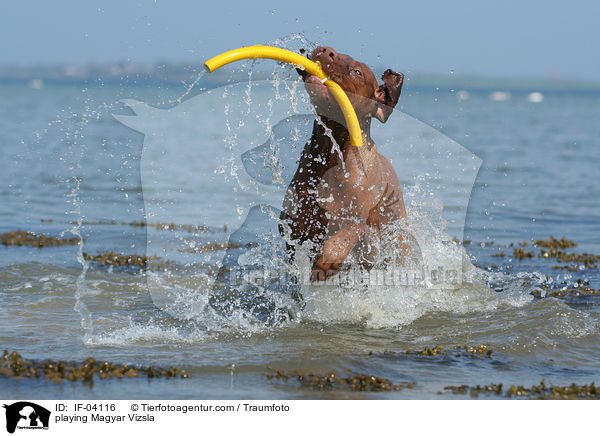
[{"x": 321, "y": 142}]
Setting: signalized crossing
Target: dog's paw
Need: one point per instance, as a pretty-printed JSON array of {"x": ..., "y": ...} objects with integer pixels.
[{"x": 322, "y": 269}]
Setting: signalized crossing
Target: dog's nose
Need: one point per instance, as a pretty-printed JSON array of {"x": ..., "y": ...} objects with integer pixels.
[{"x": 324, "y": 54}]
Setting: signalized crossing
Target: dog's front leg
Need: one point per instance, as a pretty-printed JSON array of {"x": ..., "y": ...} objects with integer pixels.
[{"x": 335, "y": 250}]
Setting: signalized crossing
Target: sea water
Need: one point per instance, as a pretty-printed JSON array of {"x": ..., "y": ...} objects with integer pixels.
[{"x": 487, "y": 171}]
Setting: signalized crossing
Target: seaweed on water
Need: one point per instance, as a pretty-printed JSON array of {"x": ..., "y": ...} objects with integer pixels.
[
  {"x": 541, "y": 391},
  {"x": 127, "y": 260},
  {"x": 216, "y": 246},
  {"x": 458, "y": 241},
  {"x": 554, "y": 243},
  {"x": 457, "y": 351},
  {"x": 555, "y": 249},
  {"x": 116, "y": 259},
  {"x": 580, "y": 288},
  {"x": 190, "y": 228},
  {"x": 22, "y": 238},
  {"x": 522, "y": 254},
  {"x": 331, "y": 380},
  {"x": 15, "y": 366},
  {"x": 474, "y": 391}
]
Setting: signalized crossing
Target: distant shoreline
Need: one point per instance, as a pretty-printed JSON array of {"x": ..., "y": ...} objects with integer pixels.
[{"x": 176, "y": 74}]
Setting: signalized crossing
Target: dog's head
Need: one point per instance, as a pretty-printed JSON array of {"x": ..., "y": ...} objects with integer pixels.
[{"x": 368, "y": 98}]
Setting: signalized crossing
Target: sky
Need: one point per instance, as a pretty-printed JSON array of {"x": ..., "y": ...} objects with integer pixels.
[{"x": 515, "y": 39}]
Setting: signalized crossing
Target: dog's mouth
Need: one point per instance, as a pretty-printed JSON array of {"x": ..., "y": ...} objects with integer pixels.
[
  {"x": 314, "y": 85},
  {"x": 316, "y": 88},
  {"x": 301, "y": 72}
]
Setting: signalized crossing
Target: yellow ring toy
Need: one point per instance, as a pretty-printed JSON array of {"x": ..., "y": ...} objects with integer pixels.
[{"x": 279, "y": 54}]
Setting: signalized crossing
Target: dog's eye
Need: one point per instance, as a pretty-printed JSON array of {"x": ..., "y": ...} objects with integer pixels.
[{"x": 358, "y": 72}]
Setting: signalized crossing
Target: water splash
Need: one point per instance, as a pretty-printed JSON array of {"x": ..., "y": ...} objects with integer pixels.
[
  {"x": 75, "y": 137},
  {"x": 208, "y": 295},
  {"x": 80, "y": 286}
]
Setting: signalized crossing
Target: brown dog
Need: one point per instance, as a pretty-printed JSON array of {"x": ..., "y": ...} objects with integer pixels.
[{"x": 339, "y": 198}]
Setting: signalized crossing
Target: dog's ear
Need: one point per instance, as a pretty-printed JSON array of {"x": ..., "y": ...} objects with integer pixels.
[{"x": 387, "y": 94}]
